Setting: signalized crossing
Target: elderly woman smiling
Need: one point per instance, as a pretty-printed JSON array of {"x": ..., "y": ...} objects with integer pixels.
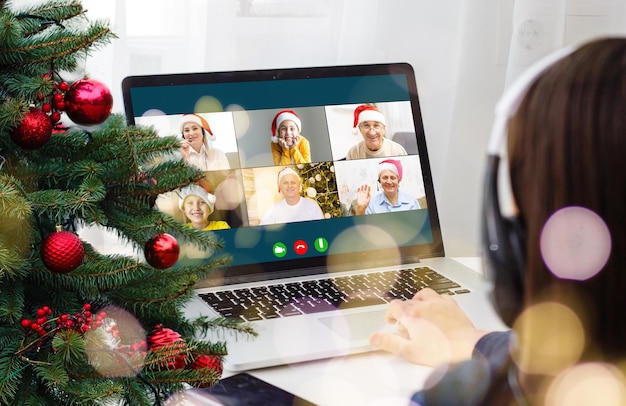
[{"x": 391, "y": 198}]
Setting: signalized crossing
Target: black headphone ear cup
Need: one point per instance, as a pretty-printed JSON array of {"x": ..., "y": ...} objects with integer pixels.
[{"x": 503, "y": 250}]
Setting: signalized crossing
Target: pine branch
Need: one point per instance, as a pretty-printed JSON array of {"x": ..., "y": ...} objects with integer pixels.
[
  {"x": 11, "y": 302},
  {"x": 11, "y": 264},
  {"x": 24, "y": 86},
  {"x": 53, "y": 375},
  {"x": 135, "y": 394},
  {"x": 55, "y": 12},
  {"x": 11, "y": 370},
  {"x": 53, "y": 45},
  {"x": 203, "y": 325},
  {"x": 11, "y": 113},
  {"x": 69, "y": 347},
  {"x": 93, "y": 391},
  {"x": 205, "y": 348}
]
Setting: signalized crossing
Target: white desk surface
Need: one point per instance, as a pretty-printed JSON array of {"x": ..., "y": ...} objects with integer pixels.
[{"x": 376, "y": 378}]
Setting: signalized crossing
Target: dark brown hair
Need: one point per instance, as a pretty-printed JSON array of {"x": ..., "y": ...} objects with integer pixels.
[{"x": 567, "y": 147}]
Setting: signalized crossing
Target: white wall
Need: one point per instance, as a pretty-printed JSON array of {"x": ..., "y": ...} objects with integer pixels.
[
  {"x": 459, "y": 49},
  {"x": 499, "y": 39}
]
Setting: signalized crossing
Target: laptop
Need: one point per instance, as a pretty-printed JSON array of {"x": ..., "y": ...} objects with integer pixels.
[{"x": 312, "y": 288}]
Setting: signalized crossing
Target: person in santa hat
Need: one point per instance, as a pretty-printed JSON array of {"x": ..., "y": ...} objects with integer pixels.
[
  {"x": 370, "y": 123},
  {"x": 196, "y": 148},
  {"x": 197, "y": 205},
  {"x": 391, "y": 198},
  {"x": 288, "y": 145},
  {"x": 293, "y": 207}
]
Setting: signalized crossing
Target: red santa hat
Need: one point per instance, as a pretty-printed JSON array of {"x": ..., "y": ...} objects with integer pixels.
[
  {"x": 282, "y": 116},
  {"x": 286, "y": 171},
  {"x": 391, "y": 164},
  {"x": 366, "y": 112},
  {"x": 195, "y": 118}
]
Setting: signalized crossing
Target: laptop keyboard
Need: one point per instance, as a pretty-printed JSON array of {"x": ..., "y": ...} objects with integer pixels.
[{"x": 331, "y": 293}]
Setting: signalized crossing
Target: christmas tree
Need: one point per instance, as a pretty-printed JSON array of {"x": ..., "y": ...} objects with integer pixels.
[
  {"x": 321, "y": 186},
  {"x": 77, "y": 326}
]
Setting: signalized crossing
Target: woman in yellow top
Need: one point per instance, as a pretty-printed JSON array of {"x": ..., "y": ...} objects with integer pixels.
[
  {"x": 288, "y": 145},
  {"x": 197, "y": 205}
]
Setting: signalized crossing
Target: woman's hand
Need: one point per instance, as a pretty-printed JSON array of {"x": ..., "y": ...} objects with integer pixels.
[
  {"x": 432, "y": 329},
  {"x": 184, "y": 148}
]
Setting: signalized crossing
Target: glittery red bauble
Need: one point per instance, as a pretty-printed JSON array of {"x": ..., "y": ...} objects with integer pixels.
[
  {"x": 212, "y": 362},
  {"x": 62, "y": 252},
  {"x": 88, "y": 102},
  {"x": 168, "y": 338},
  {"x": 34, "y": 131},
  {"x": 161, "y": 251}
]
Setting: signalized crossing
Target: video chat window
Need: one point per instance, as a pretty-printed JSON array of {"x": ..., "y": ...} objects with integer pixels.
[{"x": 245, "y": 189}]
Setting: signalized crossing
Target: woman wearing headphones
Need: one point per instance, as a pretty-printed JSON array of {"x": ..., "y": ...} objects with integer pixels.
[
  {"x": 195, "y": 146},
  {"x": 557, "y": 261}
]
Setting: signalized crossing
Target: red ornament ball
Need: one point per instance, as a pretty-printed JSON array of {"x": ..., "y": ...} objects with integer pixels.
[
  {"x": 211, "y": 362},
  {"x": 34, "y": 131},
  {"x": 88, "y": 102},
  {"x": 62, "y": 252},
  {"x": 161, "y": 251},
  {"x": 162, "y": 338}
]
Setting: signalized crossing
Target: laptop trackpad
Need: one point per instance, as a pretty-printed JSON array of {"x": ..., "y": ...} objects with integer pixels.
[{"x": 355, "y": 326}]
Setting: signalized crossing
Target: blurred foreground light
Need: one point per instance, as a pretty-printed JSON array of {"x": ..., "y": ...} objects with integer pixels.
[
  {"x": 193, "y": 397},
  {"x": 575, "y": 243},
  {"x": 229, "y": 193},
  {"x": 364, "y": 240},
  {"x": 551, "y": 338},
  {"x": 588, "y": 384},
  {"x": 118, "y": 347},
  {"x": 208, "y": 104}
]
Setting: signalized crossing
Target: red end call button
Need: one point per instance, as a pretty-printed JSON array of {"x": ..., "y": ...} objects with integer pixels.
[{"x": 300, "y": 247}]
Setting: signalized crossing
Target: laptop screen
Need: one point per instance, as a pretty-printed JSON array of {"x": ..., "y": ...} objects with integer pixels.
[{"x": 308, "y": 170}]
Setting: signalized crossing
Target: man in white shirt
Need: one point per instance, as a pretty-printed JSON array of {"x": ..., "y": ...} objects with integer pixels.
[{"x": 292, "y": 207}]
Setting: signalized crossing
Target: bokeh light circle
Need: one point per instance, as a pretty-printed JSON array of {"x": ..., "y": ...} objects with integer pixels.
[
  {"x": 120, "y": 354},
  {"x": 588, "y": 384},
  {"x": 575, "y": 243},
  {"x": 551, "y": 337}
]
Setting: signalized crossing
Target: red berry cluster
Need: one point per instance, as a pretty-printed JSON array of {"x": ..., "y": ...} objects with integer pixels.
[
  {"x": 137, "y": 349},
  {"x": 134, "y": 352},
  {"x": 40, "y": 323},
  {"x": 81, "y": 322},
  {"x": 54, "y": 103}
]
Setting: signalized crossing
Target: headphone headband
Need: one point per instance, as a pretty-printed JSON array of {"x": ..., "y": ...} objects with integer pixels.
[{"x": 511, "y": 99}]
